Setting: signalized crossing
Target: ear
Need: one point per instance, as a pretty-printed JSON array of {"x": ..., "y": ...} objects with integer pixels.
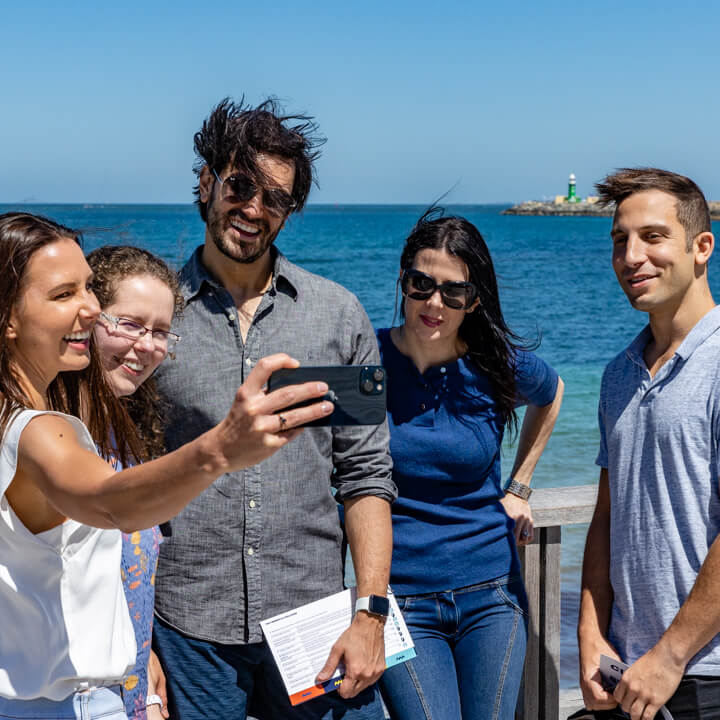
[
  {"x": 476, "y": 302},
  {"x": 703, "y": 245},
  {"x": 206, "y": 183},
  {"x": 10, "y": 331}
]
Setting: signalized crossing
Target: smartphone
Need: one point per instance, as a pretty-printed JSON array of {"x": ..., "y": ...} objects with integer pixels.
[{"x": 357, "y": 391}]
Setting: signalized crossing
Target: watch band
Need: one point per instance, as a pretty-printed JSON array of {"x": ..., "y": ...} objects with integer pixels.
[
  {"x": 374, "y": 605},
  {"x": 517, "y": 488},
  {"x": 153, "y": 700}
]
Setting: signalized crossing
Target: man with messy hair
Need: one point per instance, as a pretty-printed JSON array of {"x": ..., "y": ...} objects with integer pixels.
[
  {"x": 268, "y": 539},
  {"x": 651, "y": 573}
]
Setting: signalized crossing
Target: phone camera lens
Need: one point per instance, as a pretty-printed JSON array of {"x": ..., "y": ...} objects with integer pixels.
[
  {"x": 378, "y": 375},
  {"x": 367, "y": 386}
]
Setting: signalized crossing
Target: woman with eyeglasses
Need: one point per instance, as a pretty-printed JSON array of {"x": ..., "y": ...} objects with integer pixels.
[
  {"x": 138, "y": 296},
  {"x": 67, "y": 641},
  {"x": 456, "y": 374}
]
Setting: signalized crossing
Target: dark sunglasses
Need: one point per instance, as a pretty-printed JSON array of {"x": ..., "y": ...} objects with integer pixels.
[
  {"x": 240, "y": 188},
  {"x": 418, "y": 286}
]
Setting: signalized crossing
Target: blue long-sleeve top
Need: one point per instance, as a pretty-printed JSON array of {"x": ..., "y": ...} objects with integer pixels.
[{"x": 449, "y": 527}]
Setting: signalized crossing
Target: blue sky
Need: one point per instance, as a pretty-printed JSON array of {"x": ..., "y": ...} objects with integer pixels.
[{"x": 500, "y": 101}]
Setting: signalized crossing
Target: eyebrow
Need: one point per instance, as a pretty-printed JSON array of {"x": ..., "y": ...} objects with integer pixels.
[{"x": 659, "y": 227}]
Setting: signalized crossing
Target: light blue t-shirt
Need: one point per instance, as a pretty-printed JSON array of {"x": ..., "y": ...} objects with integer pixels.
[{"x": 659, "y": 440}]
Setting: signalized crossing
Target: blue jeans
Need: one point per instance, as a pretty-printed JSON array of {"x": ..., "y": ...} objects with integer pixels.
[
  {"x": 103, "y": 703},
  {"x": 213, "y": 680},
  {"x": 470, "y": 646}
]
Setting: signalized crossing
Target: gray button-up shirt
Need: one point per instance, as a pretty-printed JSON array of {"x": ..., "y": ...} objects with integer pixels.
[{"x": 266, "y": 539}]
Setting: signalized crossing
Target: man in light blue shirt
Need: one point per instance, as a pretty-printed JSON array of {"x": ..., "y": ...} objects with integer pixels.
[{"x": 651, "y": 575}]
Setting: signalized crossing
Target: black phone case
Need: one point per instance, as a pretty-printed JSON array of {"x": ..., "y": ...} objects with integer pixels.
[{"x": 353, "y": 406}]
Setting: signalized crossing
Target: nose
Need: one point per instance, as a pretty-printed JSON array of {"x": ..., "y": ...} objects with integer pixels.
[
  {"x": 145, "y": 343},
  {"x": 254, "y": 206},
  {"x": 91, "y": 307},
  {"x": 436, "y": 299},
  {"x": 634, "y": 251}
]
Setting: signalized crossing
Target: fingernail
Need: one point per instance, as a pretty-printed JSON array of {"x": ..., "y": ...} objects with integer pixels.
[
  {"x": 321, "y": 387},
  {"x": 325, "y": 407}
]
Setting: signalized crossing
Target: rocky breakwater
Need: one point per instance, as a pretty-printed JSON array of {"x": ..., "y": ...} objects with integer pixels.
[{"x": 537, "y": 207}]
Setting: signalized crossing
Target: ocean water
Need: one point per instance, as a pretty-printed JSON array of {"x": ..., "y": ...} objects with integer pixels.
[{"x": 556, "y": 284}]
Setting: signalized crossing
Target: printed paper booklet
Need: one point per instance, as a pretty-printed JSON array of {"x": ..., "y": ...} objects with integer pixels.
[{"x": 301, "y": 640}]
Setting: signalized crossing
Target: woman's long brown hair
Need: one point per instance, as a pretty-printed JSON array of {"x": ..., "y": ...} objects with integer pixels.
[{"x": 21, "y": 235}]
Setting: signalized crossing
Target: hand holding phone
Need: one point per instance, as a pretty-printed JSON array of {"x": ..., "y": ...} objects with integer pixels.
[{"x": 358, "y": 392}]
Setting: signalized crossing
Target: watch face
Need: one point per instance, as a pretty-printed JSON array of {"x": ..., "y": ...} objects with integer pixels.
[{"x": 379, "y": 605}]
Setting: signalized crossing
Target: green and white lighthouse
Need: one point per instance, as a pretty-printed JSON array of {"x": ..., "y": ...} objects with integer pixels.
[{"x": 571, "y": 196}]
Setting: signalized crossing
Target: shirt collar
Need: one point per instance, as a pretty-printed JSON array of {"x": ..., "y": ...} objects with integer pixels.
[
  {"x": 708, "y": 325},
  {"x": 194, "y": 275}
]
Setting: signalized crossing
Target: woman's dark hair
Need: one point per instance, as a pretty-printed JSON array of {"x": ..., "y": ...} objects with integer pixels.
[
  {"x": 235, "y": 133},
  {"x": 21, "y": 235},
  {"x": 490, "y": 342},
  {"x": 111, "y": 265}
]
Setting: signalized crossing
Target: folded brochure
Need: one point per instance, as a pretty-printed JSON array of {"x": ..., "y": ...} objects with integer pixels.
[{"x": 301, "y": 640}]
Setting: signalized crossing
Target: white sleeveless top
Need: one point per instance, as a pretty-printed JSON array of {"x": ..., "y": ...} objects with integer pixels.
[{"x": 64, "y": 621}]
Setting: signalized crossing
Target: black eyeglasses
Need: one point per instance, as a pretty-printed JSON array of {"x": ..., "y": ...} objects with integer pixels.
[
  {"x": 418, "y": 286},
  {"x": 239, "y": 188}
]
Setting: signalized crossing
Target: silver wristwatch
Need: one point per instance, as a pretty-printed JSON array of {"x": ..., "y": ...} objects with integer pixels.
[{"x": 517, "y": 488}]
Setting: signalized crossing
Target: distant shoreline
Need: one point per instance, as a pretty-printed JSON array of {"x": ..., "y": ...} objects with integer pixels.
[{"x": 578, "y": 209}]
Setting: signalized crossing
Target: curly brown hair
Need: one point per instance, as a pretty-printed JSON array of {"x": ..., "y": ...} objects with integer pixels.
[{"x": 111, "y": 265}]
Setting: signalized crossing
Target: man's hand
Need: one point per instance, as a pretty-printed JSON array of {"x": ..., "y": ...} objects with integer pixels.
[
  {"x": 649, "y": 683},
  {"x": 594, "y": 696},
  {"x": 519, "y": 510},
  {"x": 362, "y": 650}
]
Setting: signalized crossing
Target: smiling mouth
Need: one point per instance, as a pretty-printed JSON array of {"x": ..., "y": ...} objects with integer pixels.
[
  {"x": 135, "y": 367},
  {"x": 78, "y": 337},
  {"x": 639, "y": 280},
  {"x": 244, "y": 228},
  {"x": 431, "y": 322}
]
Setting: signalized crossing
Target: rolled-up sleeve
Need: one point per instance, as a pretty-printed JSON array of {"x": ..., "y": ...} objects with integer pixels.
[{"x": 361, "y": 454}]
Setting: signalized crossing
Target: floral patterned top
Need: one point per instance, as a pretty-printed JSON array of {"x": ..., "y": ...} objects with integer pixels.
[{"x": 138, "y": 566}]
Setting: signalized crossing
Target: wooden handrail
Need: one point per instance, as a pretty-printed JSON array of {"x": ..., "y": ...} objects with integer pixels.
[{"x": 552, "y": 509}]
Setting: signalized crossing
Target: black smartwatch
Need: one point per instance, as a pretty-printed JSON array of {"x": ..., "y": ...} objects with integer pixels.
[{"x": 374, "y": 605}]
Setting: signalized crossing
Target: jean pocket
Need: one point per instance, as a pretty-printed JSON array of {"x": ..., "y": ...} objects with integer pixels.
[
  {"x": 403, "y": 603},
  {"x": 512, "y": 593}
]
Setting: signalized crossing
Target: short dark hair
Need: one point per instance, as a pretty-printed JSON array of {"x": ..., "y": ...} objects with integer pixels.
[
  {"x": 235, "y": 133},
  {"x": 692, "y": 208}
]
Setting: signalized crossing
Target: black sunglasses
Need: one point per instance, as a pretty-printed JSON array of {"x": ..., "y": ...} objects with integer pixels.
[
  {"x": 240, "y": 188},
  {"x": 418, "y": 286}
]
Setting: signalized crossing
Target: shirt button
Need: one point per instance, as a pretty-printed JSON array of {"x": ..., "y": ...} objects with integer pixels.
[
  {"x": 248, "y": 361},
  {"x": 251, "y": 551},
  {"x": 252, "y": 503},
  {"x": 443, "y": 370},
  {"x": 422, "y": 406}
]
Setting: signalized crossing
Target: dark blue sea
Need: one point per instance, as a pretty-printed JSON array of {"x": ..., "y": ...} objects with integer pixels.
[{"x": 556, "y": 283}]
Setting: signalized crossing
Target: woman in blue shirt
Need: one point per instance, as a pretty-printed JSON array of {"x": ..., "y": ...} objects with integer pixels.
[{"x": 456, "y": 374}]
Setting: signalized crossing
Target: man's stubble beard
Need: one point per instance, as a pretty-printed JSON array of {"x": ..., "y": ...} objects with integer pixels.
[{"x": 230, "y": 250}]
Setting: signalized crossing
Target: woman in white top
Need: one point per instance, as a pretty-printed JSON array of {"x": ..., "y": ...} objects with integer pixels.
[{"x": 66, "y": 639}]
